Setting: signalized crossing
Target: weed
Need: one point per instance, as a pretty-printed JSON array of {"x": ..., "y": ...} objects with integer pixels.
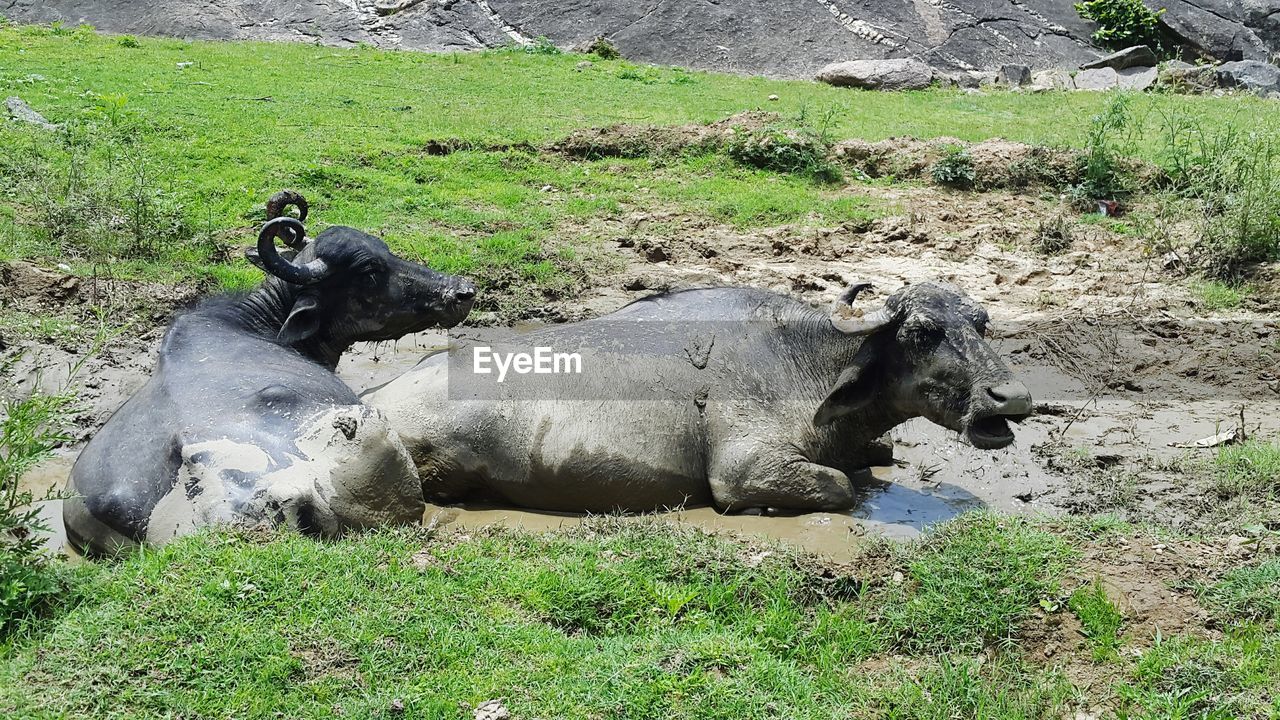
[
  {"x": 802, "y": 149},
  {"x": 128, "y": 41},
  {"x": 1248, "y": 593},
  {"x": 1122, "y": 23},
  {"x": 602, "y": 48},
  {"x": 542, "y": 45},
  {"x": 1217, "y": 295},
  {"x": 1099, "y": 618},
  {"x": 30, "y": 429},
  {"x": 1233, "y": 176},
  {"x": 954, "y": 169},
  {"x": 1053, "y": 235},
  {"x": 1102, "y": 175},
  {"x": 1250, "y": 469}
]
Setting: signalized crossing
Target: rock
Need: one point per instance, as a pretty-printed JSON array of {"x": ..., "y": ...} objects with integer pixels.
[
  {"x": 1014, "y": 75},
  {"x": 22, "y": 112},
  {"x": 974, "y": 78},
  {"x": 1097, "y": 79},
  {"x": 1137, "y": 78},
  {"x": 1053, "y": 79},
  {"x": 1252, "y": 75},
  {"x": 904, "y": 74},
  {"x": 1221, "y": 29},
  {"x": 1187, "y": 78},
  {"x": 492, "y": 710},
  {"x": 787, "y": 38},
  {"x": 1136, "y": 56},
  {"x": 584, "y": 65}
]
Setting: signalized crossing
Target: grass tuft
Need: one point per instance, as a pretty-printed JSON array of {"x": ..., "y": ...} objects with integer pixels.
[{"x": 1100, "y": 619}]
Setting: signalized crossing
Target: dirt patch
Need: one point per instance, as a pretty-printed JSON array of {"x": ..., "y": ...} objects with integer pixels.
[
  {"x": 324, "y": 658},
  {"x": 626, "y": 140}
]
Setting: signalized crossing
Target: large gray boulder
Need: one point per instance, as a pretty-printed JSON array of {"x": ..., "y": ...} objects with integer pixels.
[
  {"x": 1223, "y": 29},
  {"x": 878, "y": 74},
  {"x": 1252, "y": 75},
  {"x": 1136, "y": 56}
]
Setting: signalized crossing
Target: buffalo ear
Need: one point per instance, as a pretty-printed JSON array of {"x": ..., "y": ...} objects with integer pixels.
[
  {"x": 303, "y": 321},
  {"x": 853, "y": 390}
]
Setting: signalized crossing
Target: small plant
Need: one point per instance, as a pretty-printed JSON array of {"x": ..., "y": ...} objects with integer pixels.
[
  {"x": 603, "y": 49},
  {"x": 1122, "y": 23},
  {"x": 1248, "y": 593},
  {"x": 954, "y": 169},
  {"x": 1099, "y": 617},
  {"x": 1250, "y": 470},
  {"x": 128, "y": 41},
  {"x": 1054, "y": 235},
  {"x": 542, "y": 45},
  {"x": 800, "y": 150},
  {"x": 30, "y": 429},
  {"x": 1217, "y": 295},
  {"x": 1100, "y": 168}
]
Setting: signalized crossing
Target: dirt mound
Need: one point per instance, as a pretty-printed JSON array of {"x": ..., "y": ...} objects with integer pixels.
[
  {"x": 995, "y": 163},
  {"x": 626, "y": 140}
]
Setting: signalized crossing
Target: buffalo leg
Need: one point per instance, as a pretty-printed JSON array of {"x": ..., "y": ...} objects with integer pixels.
[{"x": 757, "y": 478}]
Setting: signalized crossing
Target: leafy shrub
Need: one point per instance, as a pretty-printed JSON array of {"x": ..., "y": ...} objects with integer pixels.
[
  {"x": 800, "y": 148},
  {"x": 1101, "y": 169},
  {"x": 30, "y": 429},
  {"x": 955, "y": 169},
  {"x": 128, "y": 41},
  {"x": 602, "y": 48},
  {"x": 542, "y": 45},
  {"x": 1233, "y": 177},
  {"x": 1122, "y": 23}
]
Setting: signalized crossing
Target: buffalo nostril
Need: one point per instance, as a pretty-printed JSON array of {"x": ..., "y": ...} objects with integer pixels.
[
  {"x": 1011, "y": 398},
  {"x": 465, "y": 293}
]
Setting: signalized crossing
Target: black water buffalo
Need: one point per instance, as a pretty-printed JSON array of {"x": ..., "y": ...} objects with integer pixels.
[
  {"x": 244, "y": 421},
  {"x": 734, "y": 396}
]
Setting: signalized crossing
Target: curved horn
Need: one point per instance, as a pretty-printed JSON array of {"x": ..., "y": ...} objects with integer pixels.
[
  {"x": 293, "y": 234},
  {"x": 277, "y": 203},
  {"x": 848, "y": 320}
]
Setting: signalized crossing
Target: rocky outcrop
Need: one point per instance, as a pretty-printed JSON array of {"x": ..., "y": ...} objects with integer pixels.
[
  {"x": 878, "y": 74},
  {"x": 790, "y": 38},
  {"x": 1224, "y": 29}
]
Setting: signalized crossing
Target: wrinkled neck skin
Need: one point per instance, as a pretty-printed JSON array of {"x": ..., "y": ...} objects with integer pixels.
[
  {"x": 852, "y": 432},
  {"x": 265, "y": 310}
]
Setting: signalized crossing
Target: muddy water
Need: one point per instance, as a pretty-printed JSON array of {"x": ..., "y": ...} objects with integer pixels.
[{"x": 936, "y": 476}]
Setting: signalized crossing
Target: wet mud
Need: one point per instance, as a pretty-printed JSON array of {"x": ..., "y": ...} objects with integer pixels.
[{"x": 1120, "y": 355}]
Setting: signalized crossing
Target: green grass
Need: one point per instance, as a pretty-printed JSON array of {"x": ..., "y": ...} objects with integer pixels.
[
  {"x": 1250, "y": 470},
  {"x": 1218, "y": 295},
  {"x": 1099, "y": 618},
  {"x": 617, "y": 618},
  {"x": 1251, "y": 592}
]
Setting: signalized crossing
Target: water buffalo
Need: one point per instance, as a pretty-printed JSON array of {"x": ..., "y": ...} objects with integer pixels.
[
  {"x": 734, "y": 396},
  {"x": 244, "y": 422}
]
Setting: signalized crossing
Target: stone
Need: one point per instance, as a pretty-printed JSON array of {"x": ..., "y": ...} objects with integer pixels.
[
  {"x": 1014, "y": 75},
  {"x": 1252, "y": 75},
  {"x": 974, "y": 78},
  {"x": 1136, "y": 56},
  {"x": 1221, "y": 29},
  {"x": 1097, "y": 79},
  {"x": 1137, "y": 78},
  {"x": 902, "y": 74},
  {"x": 1053, "y": 79},
  {"x": 22, "y": 112},
  {"x": 1187, "y": 78}
]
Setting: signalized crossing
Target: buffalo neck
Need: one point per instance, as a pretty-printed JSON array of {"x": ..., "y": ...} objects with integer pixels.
[{"x": 265, "y": 310}]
